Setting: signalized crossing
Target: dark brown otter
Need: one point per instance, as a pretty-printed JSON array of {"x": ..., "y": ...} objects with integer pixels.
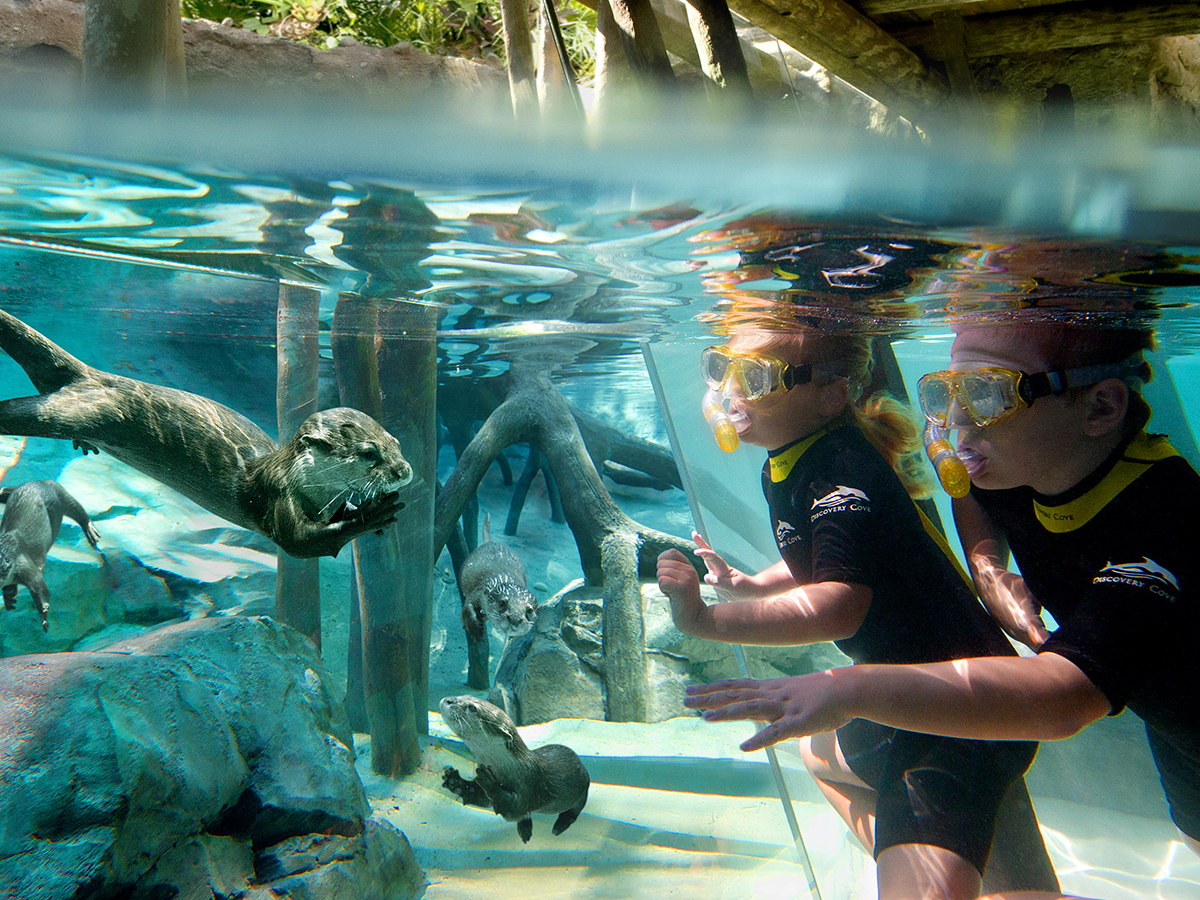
[
  {"x": 33, "y": 513},
  {"x": 336, "y": 480},
  {"x": 509, "y": 777}
]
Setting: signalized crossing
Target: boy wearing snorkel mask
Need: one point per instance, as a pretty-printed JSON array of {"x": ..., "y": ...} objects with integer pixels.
[
  {"x": 1095, "y": 512},
  {"x": 862, "y": 567}
]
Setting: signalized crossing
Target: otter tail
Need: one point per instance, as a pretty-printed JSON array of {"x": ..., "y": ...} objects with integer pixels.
[{"x": 48, "y": 365}]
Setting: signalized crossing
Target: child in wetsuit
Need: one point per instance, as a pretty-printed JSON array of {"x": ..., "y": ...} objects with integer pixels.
[
  {"x": 1095, "y": 511},
  {"x": 862, "y": 567}
]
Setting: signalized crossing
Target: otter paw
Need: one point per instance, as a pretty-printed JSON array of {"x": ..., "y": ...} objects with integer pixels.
[
  {"x": 468, "y": 792},
  {"x": 564, "y": 821},
  {"x": 85, "y": 447},
  {"x": 525, "y": 829}
]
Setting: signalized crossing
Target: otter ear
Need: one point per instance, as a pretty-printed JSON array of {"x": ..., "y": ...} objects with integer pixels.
[{"x": 1107, "y": 403}]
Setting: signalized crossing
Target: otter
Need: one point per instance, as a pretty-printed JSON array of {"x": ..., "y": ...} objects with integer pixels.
[
  {"x": 509, "y": 777},
  {"x": 337, "y": 479},
  {"x": 492, "y": 580},
  {"x": 33, "y": 513}
]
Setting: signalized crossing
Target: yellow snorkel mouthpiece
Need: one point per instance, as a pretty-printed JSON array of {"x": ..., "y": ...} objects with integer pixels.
[
  {"x": 951, "y": 471},
  {"x": 719, "y": 421}
]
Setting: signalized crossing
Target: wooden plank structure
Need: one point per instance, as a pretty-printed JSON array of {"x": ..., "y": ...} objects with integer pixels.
[{"x": 917, "y": 56}]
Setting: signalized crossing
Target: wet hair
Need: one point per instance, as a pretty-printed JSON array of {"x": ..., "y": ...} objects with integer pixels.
[
  {"x": 1074, "y": 346},
  {"x": 883, "y": 420}
]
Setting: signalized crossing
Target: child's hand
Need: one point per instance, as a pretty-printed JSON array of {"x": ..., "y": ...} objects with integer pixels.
[
  {"x": 722, "y": 576},
  {"x": 679, "y": 581}
]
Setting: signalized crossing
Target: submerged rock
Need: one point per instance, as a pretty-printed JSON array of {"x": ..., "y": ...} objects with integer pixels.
[
  {"x": 177, "y": 756},
  {"x": 557, "y": 670}
]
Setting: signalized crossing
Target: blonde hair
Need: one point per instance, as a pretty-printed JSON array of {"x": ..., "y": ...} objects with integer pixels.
[{"x": 883, "y": 420}]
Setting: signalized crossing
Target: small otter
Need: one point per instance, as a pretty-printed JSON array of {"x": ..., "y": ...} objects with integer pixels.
[
  {"x": 33, "y": 513},
  {"x": 509, "y": 777},
  {"x": 493, "y": 586},
  {"x": 336, "y": 480}
]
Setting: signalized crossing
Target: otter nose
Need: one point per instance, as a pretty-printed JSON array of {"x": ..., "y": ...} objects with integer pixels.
[{"x": 404, "y": 473}]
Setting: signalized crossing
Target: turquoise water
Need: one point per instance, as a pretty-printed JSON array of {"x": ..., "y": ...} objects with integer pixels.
[{"x": 157, "y": 252}]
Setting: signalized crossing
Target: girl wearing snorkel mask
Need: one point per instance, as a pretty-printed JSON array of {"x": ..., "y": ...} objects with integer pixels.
[{"x": 860, "y": 566}]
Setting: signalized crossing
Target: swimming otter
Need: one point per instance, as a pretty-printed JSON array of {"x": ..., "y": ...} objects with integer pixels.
[
  {"x": 509, "y": 777},
  {"x": 336, "y": 480},
  {"x": 493, "y": 586},
  {"x": 33, "y": 513}
]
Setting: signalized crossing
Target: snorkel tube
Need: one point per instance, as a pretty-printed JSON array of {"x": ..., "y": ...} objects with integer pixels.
[
  {"x": 951, "y": 471},
  {"x": 719, "y": 420}
]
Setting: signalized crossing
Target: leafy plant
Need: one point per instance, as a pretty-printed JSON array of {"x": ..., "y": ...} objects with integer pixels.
[{"x": 466, "y": 28}]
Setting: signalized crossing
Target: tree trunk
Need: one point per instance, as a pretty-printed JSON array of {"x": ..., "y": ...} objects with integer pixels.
[
  {"x": 297, "y": 581},
  {"x": 614, "y": 550}
]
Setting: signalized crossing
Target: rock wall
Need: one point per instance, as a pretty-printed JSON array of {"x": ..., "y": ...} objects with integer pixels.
[
  {"x": 208, "y": 752},
  {"x": 43, "y": 39},
  {"x": 1147, "y": 85}
]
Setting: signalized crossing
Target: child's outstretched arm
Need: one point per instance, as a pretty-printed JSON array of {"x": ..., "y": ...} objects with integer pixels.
[{"x": 797, "y": 615}]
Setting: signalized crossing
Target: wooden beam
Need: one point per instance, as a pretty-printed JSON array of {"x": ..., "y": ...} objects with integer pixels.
[
  {"x": 925, "y": 8},
  {"x": 835, "y": 35},
  {"x": 1065, "y": 27}
]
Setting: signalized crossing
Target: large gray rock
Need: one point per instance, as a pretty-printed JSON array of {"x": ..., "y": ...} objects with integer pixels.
[
  {"x": 290, "y": 729},
  {"x": 118, "y": 764}
]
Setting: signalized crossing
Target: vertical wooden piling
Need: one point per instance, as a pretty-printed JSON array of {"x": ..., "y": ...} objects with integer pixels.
[
  {"x": 297, "y": 581},
  {"x": 385, "y": 355},
  {"x": 518, "y": 46},
  {"x": 408, "y": 370},
  {"x": 133, "y": 51},
  {"x": 719, "y": 48}
]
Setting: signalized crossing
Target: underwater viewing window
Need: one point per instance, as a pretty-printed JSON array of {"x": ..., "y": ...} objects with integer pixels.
[{"x": 270, "y": 645}]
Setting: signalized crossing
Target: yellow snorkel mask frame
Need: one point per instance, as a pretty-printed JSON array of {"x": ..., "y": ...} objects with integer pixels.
[
  {"x": 992, "y": 394},
  {"x": 756, "y": 374}
]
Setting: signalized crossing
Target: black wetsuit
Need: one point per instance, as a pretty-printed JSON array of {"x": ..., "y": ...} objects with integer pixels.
[
  {"x": 841, "y": 514},
  {"x": 1115, "y": 561}
]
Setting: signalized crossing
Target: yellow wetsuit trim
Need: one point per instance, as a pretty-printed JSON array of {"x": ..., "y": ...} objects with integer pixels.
[
  {"x": 1142, "y": 453},
  {"x": 940, "y": 539},
  {"x": 781, "y": 465}
]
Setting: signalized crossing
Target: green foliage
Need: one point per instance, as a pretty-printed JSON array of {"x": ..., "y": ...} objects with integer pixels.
[{"x": 466, "y": 28}]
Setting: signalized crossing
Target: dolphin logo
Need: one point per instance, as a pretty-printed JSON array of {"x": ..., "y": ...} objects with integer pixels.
[
  {"x": 783, "y": 529},
  {"x": 1146, "y": 570},
  {"x": 841, "y": 494}
]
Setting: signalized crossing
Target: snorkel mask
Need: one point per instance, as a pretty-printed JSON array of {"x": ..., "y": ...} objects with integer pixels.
[
  {"x": 755, "y": 376},
  {"x": 992, "y": 394}
]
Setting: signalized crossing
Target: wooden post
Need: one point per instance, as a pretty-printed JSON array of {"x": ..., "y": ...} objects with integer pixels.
[
  {"x": 297, "y": 581},
  {"x": 720, "y": 50},
  {"x": 133, "y": 51},
  {"x": 408, "y": 371},
  {"x": 632, "y": 67},
  {"x": 386, "y": 359},
  {"x": 518, "y": 46},
  {"x": 643, "y": 43},
  {"x": 948, "y": 26}
]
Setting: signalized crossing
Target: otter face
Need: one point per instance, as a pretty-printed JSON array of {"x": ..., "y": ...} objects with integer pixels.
[
  {"x": 509, "y": 607},
  {"x": 343, "y": 458}
]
